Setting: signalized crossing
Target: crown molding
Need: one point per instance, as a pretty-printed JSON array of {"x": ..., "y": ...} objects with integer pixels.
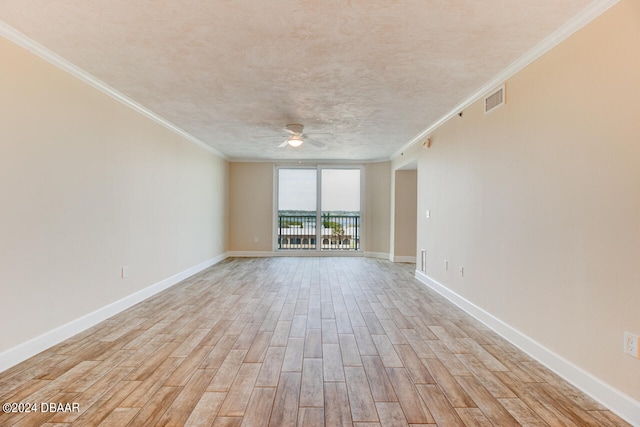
[
  {"x": 306, "y": 162},
  {"x": 42, "y": 52},
  {"x": 594, "y": 10}
]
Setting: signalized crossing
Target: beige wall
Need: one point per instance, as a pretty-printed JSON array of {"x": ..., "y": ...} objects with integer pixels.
[
  {"x": 540, "y": 200},
  {"x": 252, "y": 207},
  {"x": 405, "y": 210},
  {"x": 89, "y": 186},
  {"x": 377, "y": 237}
]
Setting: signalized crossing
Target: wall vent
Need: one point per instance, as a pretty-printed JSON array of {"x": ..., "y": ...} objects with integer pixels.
[{"x": 494, "y": 100}]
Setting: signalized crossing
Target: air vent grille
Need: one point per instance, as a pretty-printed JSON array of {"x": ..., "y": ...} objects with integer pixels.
[{"x": 495, "y": 100}]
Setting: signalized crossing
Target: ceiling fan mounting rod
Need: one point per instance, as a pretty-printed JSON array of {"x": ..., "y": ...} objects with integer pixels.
[{"x": 295, "y": 129}]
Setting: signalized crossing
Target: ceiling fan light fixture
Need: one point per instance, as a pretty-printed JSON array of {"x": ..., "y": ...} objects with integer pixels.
[{"x": 294, "y": 142}]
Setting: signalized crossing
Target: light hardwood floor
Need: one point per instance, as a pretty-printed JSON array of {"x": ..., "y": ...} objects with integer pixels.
[{"x": 295, "y": 341}]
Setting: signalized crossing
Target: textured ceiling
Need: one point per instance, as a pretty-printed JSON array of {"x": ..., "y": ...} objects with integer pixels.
[{"x": 369, "y": 74}]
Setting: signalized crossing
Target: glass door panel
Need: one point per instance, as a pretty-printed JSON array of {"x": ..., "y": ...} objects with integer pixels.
[
  {"x": 297, "y": 208},
  {"x": 340, "y": 202}
]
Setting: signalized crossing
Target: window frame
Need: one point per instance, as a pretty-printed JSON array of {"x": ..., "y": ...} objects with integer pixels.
[{"x": 318, "y": 251}]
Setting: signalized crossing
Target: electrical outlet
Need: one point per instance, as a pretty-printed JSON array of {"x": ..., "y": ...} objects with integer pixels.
[
  {"x": 631, "y": 345},
  {"x": 446, "y": 265},
  {"x": 461, "y": 270},
  {"x": 125, "y": 272}
]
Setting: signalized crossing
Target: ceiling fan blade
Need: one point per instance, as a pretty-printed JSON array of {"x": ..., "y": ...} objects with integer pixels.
[
  {"x": 316, "y": 143},
  {"x": 284, "y": 144},
  {"x": 322, "y": 135},
  {"x": 260, "y": 137}
]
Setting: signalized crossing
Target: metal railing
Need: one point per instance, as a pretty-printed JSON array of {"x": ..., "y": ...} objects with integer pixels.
[{"x": 338, "y": 232}]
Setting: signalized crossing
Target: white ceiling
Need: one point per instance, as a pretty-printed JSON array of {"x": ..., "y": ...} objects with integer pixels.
[{"x": 373, "y": 74}]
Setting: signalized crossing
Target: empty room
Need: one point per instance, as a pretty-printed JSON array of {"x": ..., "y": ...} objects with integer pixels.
[{"x": 304, "y": 213}]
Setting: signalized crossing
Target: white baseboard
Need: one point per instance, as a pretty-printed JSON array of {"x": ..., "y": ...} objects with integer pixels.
[
  {"x": 380, "y": 255},
  {"x": 295, "y": 253},
  {"x": 623, "y": 405},
  {"x": 22, "y": 352},
  {"x": 250, "y": 254},
  {"x": 410, "y": 259}
]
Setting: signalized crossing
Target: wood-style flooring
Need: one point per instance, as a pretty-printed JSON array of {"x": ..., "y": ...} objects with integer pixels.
[{"x": 295, "y": 341}]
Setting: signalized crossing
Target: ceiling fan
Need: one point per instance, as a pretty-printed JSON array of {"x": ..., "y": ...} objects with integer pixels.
[{"x": 296, "y": 137}]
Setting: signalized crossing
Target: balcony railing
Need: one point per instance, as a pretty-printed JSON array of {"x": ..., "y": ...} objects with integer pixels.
[{"x": 299, "y": 232}]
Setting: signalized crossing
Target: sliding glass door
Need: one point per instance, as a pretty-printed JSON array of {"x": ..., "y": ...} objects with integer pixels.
[
  {"x": 340, "y": 201},
  {"x": 319, "y": 208},
  {"x": 297, "y": 208}
]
